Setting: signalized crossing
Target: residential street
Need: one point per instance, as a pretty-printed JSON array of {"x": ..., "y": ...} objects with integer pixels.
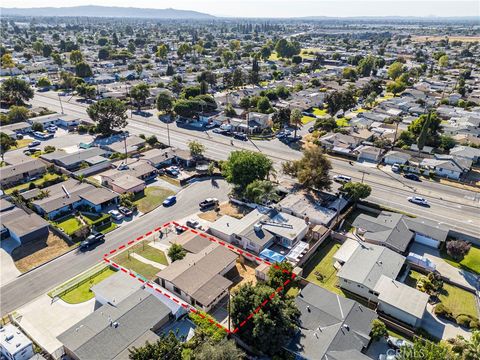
[
  {"x": 37, "y": 282},
  {"x": 388, "y": 189}
]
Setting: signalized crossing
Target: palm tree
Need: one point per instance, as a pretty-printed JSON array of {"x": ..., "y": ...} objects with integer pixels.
[
  {"x": 261, "y": 192},
  {"x": 296, "y": 119}
]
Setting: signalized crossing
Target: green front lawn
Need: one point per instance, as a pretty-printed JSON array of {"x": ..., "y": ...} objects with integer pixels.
[
  {"x": 307, "y": 119},
  {"x": 342, "y": 122},
  {"x": 319, "y": 269},
  {"x": 458, "y": 301},
  {"x": 149, "y": 252},
  {"x": 22, "y": 143},
  {"x": 146, "y": 270},
  {"x": 110, "y": 227},
  {"x": 153, "y": 197},
  {"x": 320, "y": 112},
  {"x": 69, "y": 225},
  {"x": 470, "y": 262},
  {"x": 83, "y": 293}
]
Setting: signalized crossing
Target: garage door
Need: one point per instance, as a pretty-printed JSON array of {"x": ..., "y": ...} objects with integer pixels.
[{"x": 425, "y": 240}]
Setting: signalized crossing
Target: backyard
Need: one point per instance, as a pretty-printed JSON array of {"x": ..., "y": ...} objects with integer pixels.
[
  {"x": 152, "y": 198},
  {"x": 470, "y": 262},
  {"x": 48, "y": 177},
  {"x": 131, "y": 259},
  {"x": 83, "y": 293},
  {"x": 226, "y": 208},
  {"x": 69, "y": 225},
  {"x": 319, "y": 269}
]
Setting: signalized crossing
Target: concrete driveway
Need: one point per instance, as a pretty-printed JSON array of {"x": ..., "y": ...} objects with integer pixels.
[
  {"x": 7, "y": 267},
  {"x": 441, "y": 328},
  {"x": 457, "y": 276}
]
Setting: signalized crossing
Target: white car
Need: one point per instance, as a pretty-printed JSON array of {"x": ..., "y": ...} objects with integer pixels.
[
  {"x": 395, "y": 168},
  {"x": 342, "y": 178},
  {"x": 418, "y": 200},
  {"x": 116, "y": 215}
]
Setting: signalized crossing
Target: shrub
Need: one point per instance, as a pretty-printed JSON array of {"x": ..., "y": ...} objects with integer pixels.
[
  {"x": 379, "y": 329},
  {"x": 442, "y": 310},
  {"x": 457, "y": 249},
  {"x": 474, "y": 324},
  {"x": 463, "y": 320},
  {"x": 82, "y": 129}
]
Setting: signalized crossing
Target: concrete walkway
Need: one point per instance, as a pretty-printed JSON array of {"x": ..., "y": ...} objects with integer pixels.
[
  {"x": 8, "y": 270},
  {"x": 458, "y": 276},
  {"x": 146, "y": 261},
  {"x": 441, "y": 328}
]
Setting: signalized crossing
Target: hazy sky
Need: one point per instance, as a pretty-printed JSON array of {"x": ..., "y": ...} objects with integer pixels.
[{"x": 284, "y": 8}]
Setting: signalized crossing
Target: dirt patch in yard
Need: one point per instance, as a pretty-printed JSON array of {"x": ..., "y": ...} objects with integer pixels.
[
  {"x": 242, "y": 274},
  {"x": 35, "y": 253},
  {"x": 226, "y": 208}
]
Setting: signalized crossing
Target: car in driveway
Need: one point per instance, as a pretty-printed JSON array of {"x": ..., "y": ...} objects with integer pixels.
[
  {"x": 413, "y": 177},
  {"x": 396, "y": 343},
  {"x": 169, "y": 201},
  {"x": 342, "y": 178},
  {"x": 194, "y": 224},
  {"x": 418, "y": 200},
  {"x": 125, "y": 211},
  {"x": 207, "y": 203},
  {"x": 92, "y": 240},
  {"x": 210, "y": 126},
  {"x": 218, "y": 131},
  {"x": 396, "y": 168},
  {"x": 115, "y": 214},
  {"x": 34, "y": 143},
  {"x": 172, "y": 171}
]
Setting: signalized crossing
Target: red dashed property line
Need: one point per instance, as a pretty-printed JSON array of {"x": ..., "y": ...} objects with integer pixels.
[{"x": 188, "y": 306}]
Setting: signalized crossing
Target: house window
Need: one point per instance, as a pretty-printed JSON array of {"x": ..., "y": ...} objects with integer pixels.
[{"x": 177, "y": 290}]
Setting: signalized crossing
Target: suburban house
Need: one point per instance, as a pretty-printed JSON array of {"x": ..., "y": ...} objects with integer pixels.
[
  {"x": 447, "y": 166},
  {"x": 396, "y": 231},
  {"x": 112, "y": 329},
  {"x": 21, "y": 226},
  {"x": 73, "y": 161},
  {"x": 128, "y": 145},
  {"x": 368, "y": 153},
  {"x": 22, "y": 172},
  {"x": 198, "y": 277},
  {"x": 129, "y": 178},
  {"x": 14, "y": 344},
  {"x": 396, "y": 157},
  {"x": 19, "y": 128},
  {"x": 371, "y": 271},
  {"x": 340, "y": 143},
  {"x": 63, "y": 198},
  {"x": 319, "y": 210},
  {"x": 261, "y": 229},
  {"x": 159, "y": 158},
  {"x": 466, "y": 152},
  {"x": 56, "y": 119},
  {"x": 331, "y": 326}
]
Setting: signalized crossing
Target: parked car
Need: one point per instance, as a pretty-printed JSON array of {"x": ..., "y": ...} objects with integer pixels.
[
  {"x": 51, "y": 130},
  {"x": 240, "y": 136},
  {"x": 396, "y": 168},
  {"x": 125, "y": 211},
  {"x": 169, "y": 201},
  {"x": 92, "y": 240},
  {"x": 172, "y": 170},
  {"x": 412, "y": 177},
  {"x": 115, "y": 214},
  {"x": 418, "y": 200},
  {"x": 311, "y": 129},
  {"x": 194, "y": 224},
  {"x": 342, "y": 178},
  {"x": 210, "y": 126},
  {"x": 179, "y": 229},
  {"x": 397, "y": 343},
  {"x": 218, "y": 131},
  {"x": 208, "y": 203},
  {"x": 34, "y": 143}
]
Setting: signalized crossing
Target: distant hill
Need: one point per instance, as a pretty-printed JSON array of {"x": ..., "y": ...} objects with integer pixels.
[{"x": 107, "y": 11}]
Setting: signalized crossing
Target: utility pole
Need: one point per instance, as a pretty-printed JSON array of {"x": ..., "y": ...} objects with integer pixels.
[
  {"x": 363, "y": 174},
  {"x": 61, "y": 105},
  {"x": 168, "y": 129}
]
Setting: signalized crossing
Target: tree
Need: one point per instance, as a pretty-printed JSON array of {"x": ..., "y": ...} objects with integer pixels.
[
  {"x": 37, "y": 126},
  {"x": 167, "y": 347},
  {"x": 296, "y": 119},
  {"x": 431, "y": 129},
  {"x": 457, "y": 249},
  {"x": 102, "y": 41},
  {"x": 164, "y": 103},
  {"x": 224, "y": 350},
  {"x": 162, "y": 51},
  {"x": 272, "y": 326},
  {"x": 196, "y": 149},
  {"x": 469, "y": 349},
  {"x": 425, "y": 350},
  {"x": 263, "y": 105},
  {"x": 176, "y": 252},
  {"x": 244, "y": 166},
  {"x": 140, "y": 94},
  {"x": 328, "y": 124},
  {"x": 44, "y": 82},
  {"x": 396, "y": 87},
  {"x": 287, "y": 49},
  {"x": 152, "y": 140},
  {"x": 83, "y": 70},
  {"x": 6, "y": 143},
  {"x": 447, "y": 143},
  {"x": 379, "y": 330},
  {"x": 109, "y": 114},
  {"x": 57, "y": 59},
  {"x": 86, "y": 91},
  {"x": 395, "y": 70},
  {"x": 7, "y": 62},
  {"x": 282, "y": 117},
  {"x": 312, "y": 170},
  {"x": 349, "y": 73},
  {"x": 15, "y": 91},
  {"x": 356, "y": 191},
  {"x": 17, "y": 114},
  {"x": 265, "y": 52},
  {"x": 278, "y": 274},
  {"x": 340, "y": 100},
  {"x": 76, "y": 57},
  {"x": 443, "y": 61},
  {"x": 103, "y": 53},
  {"x": 261, "y": 192}
]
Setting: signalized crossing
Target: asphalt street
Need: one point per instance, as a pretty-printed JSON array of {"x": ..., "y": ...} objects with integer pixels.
[
  {"x": 452, "y": 206},
  {"x": 39, "y": 281}
]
